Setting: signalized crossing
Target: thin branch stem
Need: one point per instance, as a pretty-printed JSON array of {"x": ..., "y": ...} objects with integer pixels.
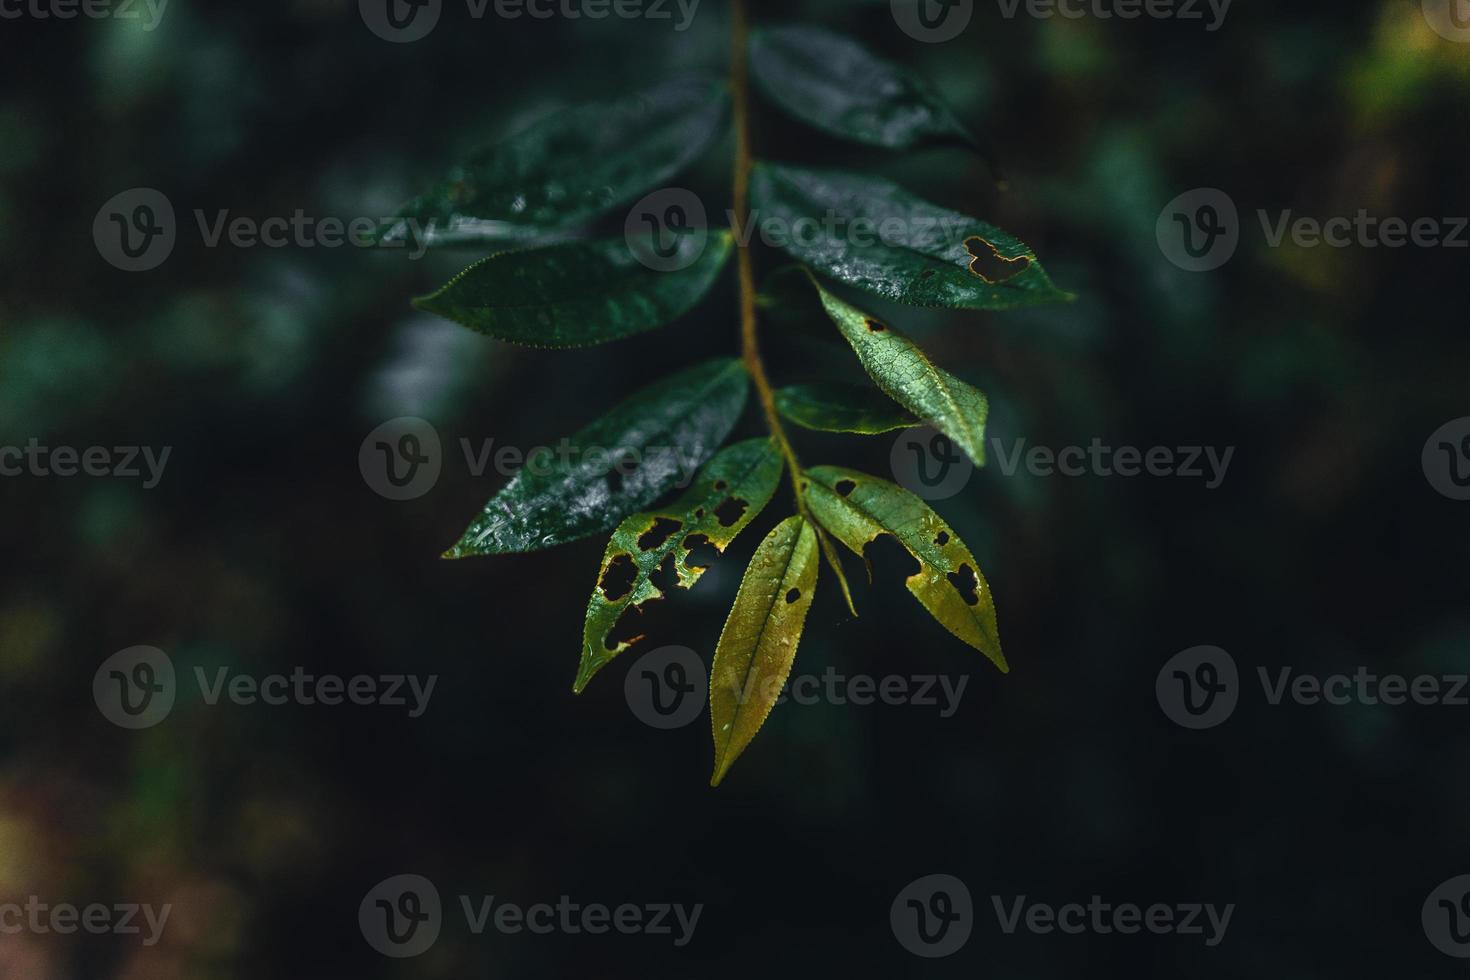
[{"x": 749, "y": 345}]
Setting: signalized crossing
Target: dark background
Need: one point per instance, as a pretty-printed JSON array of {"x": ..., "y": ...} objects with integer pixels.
[{"x": 264, "y": 549}]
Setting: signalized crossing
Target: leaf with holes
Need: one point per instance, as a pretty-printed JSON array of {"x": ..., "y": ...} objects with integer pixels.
[
  {"x": 873, "y": 234},
  {"x": 730, "y": 491},
  {"x": 569, "y": 168},
  {"x": 758, "y": 644},
  {"x": 834, "y": 407},
  {"x": 901, "y": 370},
  {"x": 578, "y": 293},
  {"x": 833, "y": 83},
  {"x": 857, "y": 508},
  {"x": 621, "y": 463}
]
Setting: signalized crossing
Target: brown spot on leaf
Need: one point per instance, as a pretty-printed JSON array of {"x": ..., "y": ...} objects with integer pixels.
[
  {"x": 966, "y": 584},
  {"x": 845, "y": 487},
  {"x": 792, "y": 596},
  {"x": 730, "y": 511},
  {"x": 661, "y": 530},
  {"x": 720, "y": 485},
  {"x": 617, "y": 580},
  {"x": 987, "y": 259},
  {"x": 926, "y": 273}
]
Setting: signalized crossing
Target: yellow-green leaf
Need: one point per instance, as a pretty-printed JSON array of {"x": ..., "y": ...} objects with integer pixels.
[
  {"x": 729, "y": 492},
  {"x": 905, "y": 374},
  {"x": 857, "y": 508},
  {"x": 758, "y": 643}
]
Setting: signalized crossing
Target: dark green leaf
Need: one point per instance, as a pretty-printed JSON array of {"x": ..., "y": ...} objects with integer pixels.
[
  {"x": 730, "y": 491},
  {"x": 857, "y": 508},
  {"x": 875, "y": 235},
  {"x": 568, "y": 169},
  {"x": 621, "y": 463},
  {"x": 833, "y": 407},
  {"x": 758, "y": 644},
  {"x": 577, "y": 293},
  {"x": 906, "y": 375},
  {"x": 835, "y": 84}
]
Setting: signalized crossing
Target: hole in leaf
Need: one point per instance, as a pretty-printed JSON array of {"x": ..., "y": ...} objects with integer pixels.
[
  {"x": 617, "y": 581},
  {"x": 845, "y": 487},
  {"x": 663, "y": 528},
  {"x": 942, "y": 538},
  {"x": 628, "y": 629},
  {"x": 729, "y": 512},
  {"x": 699, "y": 514},
  {"x": 720, "y": 485},
  {"x": 966, "y": 584},
  {"x": 792, "y": 596},
  {"x": 987, "y": 259},
  {"x": 665, "y": 576},
  {"x": 889, "y": 562},
  {"x": 702, "y": 553},
  {"x": 876, "y": 327}
]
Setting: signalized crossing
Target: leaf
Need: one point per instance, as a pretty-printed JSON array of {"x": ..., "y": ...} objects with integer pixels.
[
  {"x": 838, "y": 86},
  {"x": 857, "y": 508},
  {"x": 758, "y": 644},
  {"x": 834, "y": 561},
  {"x": 569, "y": 168},
  {"x": 833, "y": 407},
  {"x": 875, "y": 235},
  {"x": 627, "y": 459},
  {"x": 730, "y": 491},
  {"x": 578, "y": 293},
  {"x": 901, "y": 370}
]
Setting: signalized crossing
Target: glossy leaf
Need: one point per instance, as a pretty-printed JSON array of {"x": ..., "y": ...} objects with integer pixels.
[
  {"x": 833, "y": 407},
  {"x": 577, "y": 293},
  {"x": 901, "y": 370},
  {"x": 758, "y": 644},
  {"x": 569, "y": 168},
  {"x": 729, "y": 492},
  {"x": 857, "y": 508},
  {"x": 628, "y": 458},
  {"x": 875, "y": 235},
  {"x": 835, "y": 84}
]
